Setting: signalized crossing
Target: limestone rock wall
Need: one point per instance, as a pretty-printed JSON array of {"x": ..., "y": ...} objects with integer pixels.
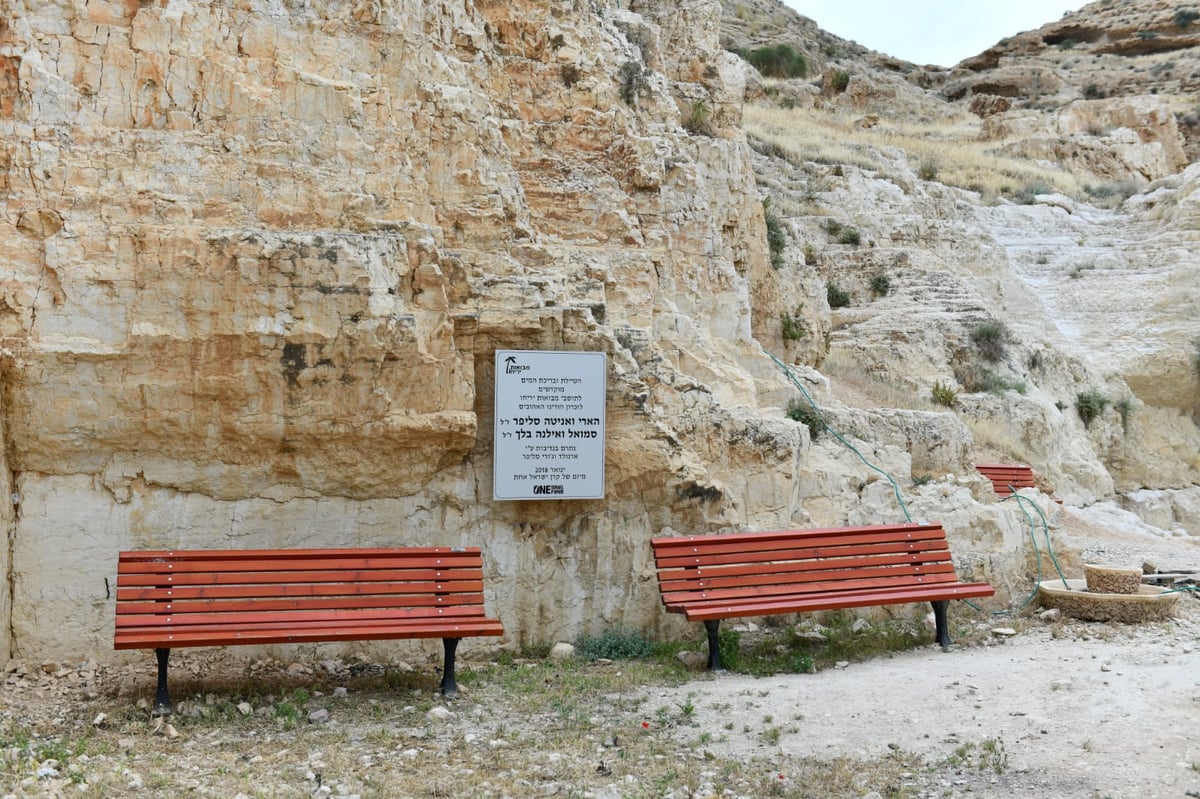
[{"x": 258, "y": 255}]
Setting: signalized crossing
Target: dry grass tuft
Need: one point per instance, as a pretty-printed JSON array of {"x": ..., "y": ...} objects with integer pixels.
[{"x": 961, "y": 158}]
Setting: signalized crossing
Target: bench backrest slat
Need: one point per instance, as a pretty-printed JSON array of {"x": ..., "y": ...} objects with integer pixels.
[
  {"x": 717, "y": 554},
  {"x": 801, "y": 562},
  {"x": 172, "y": 586}
]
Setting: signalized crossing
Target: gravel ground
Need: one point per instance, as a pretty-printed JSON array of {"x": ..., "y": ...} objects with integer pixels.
[{"x": 1032, "y": 705}]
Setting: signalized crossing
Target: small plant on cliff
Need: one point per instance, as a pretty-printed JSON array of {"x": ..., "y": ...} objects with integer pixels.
[
  {"x": 806, "y": 413},
  {"x": 1125, "y": 410},
  {"x": 881, "y": 284},
  {"x": 944, "y": 394},
  {"x": 991, "y": 340},
  {"x": 793, "y": 326},
  {"x": 837, "y": 296},
  {"x": 780, "y": 61},
  {"x": 1090, "y": 404},
  {"x": 850, "y": 236},
  {"x": 1196, "y": 362},
  {"x": 633, "y": 81},
  {"x": 840, "y": 81},
  {"x": 698, "y": 120},
  {"x": 776, "y": 235},
  {"x": 1185, "y": 17}
]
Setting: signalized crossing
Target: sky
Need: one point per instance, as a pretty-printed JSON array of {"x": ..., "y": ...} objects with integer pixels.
[{"x": 941, "y": 32}]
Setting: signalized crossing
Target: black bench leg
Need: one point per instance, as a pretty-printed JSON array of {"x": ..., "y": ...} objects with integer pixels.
[
  {"x": 939, "y": 618},
  {"x": 449, "y": 686},
  {"x": 162, "y": 700},
  {"x": 714, "y": 647}
]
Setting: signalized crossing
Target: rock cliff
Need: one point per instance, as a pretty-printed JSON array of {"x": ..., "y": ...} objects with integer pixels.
[{"x": 259, "y": 255}]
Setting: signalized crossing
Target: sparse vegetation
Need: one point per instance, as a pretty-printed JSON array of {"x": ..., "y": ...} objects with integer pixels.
[
  {"x": 928, "y": 169},
  {"x": 698, "y": 120},
  {"x": 776, "y": 235},
  {"x": 1090, "y": 404},
  {"x": 849, "y": 235},
  {"x": 991, "y": 340},
  {"x": 840, "y": 81},
  {"x": 780, "y": 61},
  {"x": 1124, "y": 408},
  {"x": 632, "y": 77},
  {"x": 1147, "y": 36},
  {"x": 836, "y": 295},
  {"x": 810, "y": 255},
  {"x": 614, "y": 644},
  {"x": 1093, "y": 92},
  {"x": 881, "y": 284},
  {"x": 1185, "y": 16},
  {"x": 962, "y": 159},
  {"x": 944, "y": 394},
  {"x": 793, "y": 326},
  {"x": 804, "y": 412}
]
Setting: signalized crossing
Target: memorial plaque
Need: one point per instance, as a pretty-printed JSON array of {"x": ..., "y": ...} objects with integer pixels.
[{"x": 549, "y": 430}]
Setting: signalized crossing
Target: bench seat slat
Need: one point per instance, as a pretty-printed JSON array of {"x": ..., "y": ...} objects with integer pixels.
[
  {"x": 299, "y": 633},
  {"x": 722, "y": 610},
  {"x": 748, "y": 589},
  {"x": 303, "y": 616},
  {"x": 799, "y": 576}
]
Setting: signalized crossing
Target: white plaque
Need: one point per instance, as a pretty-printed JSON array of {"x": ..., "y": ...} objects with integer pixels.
[{"x": 549, "y": 430}]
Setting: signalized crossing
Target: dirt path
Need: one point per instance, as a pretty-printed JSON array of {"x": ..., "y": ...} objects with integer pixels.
[
  {"x": 1099, "y": 712},
  {"x": 1063, "y": 708}
]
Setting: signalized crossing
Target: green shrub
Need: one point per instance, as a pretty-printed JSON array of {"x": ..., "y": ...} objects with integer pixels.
[
  {"x": 1147, "y": 36},
  {"x": 614, "y": 644},
  {"x": 1125, "y": 409},
  {"x": 881, "y": 284},
  {"x": 1196, "y": 362},
  {"x": 1090, "y": 404},
  {"x": 928, "y": 169},
  {"x": 1093, "y": 92},
  {"x": 793, "y": 326},
  {"x": 810, "y": 255},
  {"x": 780, "y": 61},
  {"x": 698, "y": 120},
  {"x": 991, "y": 340},
  {"x": 840, "y": 81},
  {"x": 944, "y": 395},
  {"x": 1185, "y": 17},
  {"x": 806, "y": 413},
  {"x": 832, "y": 227},
  {"x": 632, "y": 77},
  {"x": 776, "y": 235},
  {"x": 849, "y": 235},
  {"x": 836, "y": 295}
]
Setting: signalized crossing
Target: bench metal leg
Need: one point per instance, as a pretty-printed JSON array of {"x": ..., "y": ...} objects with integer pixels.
[
  {"x": 712, "y": 627},
  {"x": 939, "y": 618},
  {"x": 162, "y": 700},
  {"x": 449, "y": 686}
]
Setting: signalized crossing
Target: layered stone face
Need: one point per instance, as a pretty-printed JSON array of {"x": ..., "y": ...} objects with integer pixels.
[{"x": 258, "y": 255}]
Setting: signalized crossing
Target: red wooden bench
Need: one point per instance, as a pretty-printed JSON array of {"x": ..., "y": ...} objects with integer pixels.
[
  {"x": 712, "y": 577},
  {"x": 1006, "y": 477},
  {"x": 168, "y": 599}
]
